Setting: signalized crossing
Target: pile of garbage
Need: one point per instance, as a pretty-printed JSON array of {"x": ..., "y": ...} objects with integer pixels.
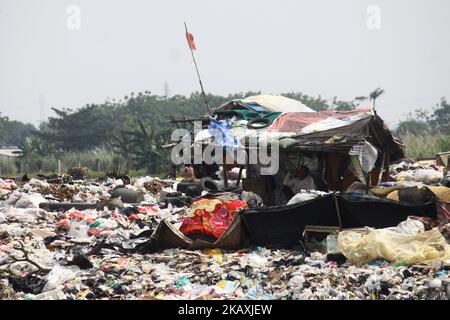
[
  {"x": 425, "y": 172},
  {"x": 98, "y": 248}
]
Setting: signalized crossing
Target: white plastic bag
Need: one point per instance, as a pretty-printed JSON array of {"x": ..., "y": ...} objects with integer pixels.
[
  {"x": 411, "y": 226},
  {"x": 79, "y": 230},
  {"x": 57, "y": 276},
  {"x": 428, "y": 176},
  {"x": 30, "y": 200},
  {"x": 302, "y": 197}
]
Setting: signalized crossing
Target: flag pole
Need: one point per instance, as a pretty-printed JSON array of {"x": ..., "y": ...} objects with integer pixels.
[{"x": 198, "y": 73}]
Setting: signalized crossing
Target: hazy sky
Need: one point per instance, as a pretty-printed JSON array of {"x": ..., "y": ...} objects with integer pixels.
[{"x": 316, "y": 47}]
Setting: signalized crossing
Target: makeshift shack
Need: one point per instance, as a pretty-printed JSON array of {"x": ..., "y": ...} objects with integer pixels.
[{"x": 339, "y": 147}]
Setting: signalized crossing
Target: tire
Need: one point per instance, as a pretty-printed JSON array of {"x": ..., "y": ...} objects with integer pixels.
[
  {"x": 267, "y": 122},
  {"x": 183, "y": 186},
  {"x": 209, "y": 185},
  {"x": 194, "y": 191}
]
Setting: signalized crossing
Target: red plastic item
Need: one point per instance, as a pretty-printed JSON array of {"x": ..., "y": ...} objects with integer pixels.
[
  {"x": 94, "y": 232},
  {"x": 64, "y": 223},
  {"x": 133, "y": 217},
  {"x": 77, "y": 215}
]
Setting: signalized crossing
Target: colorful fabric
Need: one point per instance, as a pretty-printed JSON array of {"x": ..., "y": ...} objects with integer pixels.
[
  {"x": 211, "y": 216},
  {"x": 246, "y": 114}
]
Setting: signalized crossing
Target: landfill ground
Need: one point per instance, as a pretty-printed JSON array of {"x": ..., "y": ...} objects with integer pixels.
[{"x": 48, "y": 255}]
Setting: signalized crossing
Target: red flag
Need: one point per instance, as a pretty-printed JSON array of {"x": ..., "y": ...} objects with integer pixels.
[{"x": 190, "y": 40}]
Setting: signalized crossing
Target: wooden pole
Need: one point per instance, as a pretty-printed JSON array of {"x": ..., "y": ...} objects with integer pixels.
[
  {"x": 380, "y": 176},
  {"x": 198, "y": 74},
  {"x": 337, "y": 210},
  {"x": 239, "y": 176},
  {"x": 225, "y": 176}
]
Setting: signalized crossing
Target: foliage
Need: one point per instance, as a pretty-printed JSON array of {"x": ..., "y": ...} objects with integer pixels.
[
  {"x": 12, "y": 132},
  {"x": 422, "y": 122},
  {"x": 315, "y": 103},
  {"x": 374, "y": 95},
  {"x": 425, "y": 145}
]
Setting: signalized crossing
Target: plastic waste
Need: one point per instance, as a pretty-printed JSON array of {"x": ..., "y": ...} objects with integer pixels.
[
  {"x": 11, "y": 230},
  {"x": 182, "y": 282},
  {"x": 332, "y": 244},
  {"x": 428, "y": 176},
  {"x": 226, "y": 287},
  {"x": 216, "y": 254},
  {"x": 59, "y": 275},
  {"x": 79, "y": 230},
  {"x": 56, "y": 294},
  {"x": 24, "y": 215},
  {"x": 254, "y": 260},
  {"x": 257, "y": 293},
  {"x": 373, "y": 283},
  {"x": 112, "y": 265},
  {"x": 30, "y": 200},
  {"x": 165, "y": 213},
  {"x": 302, "y": 197},
  {"x": 393, "y": 246},
  {"x": 411, "y": 226}
]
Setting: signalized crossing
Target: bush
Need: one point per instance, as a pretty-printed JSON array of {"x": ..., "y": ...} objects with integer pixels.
[
  {"x": 426, "y": 145},
  {"x": 106, "y": 161}
]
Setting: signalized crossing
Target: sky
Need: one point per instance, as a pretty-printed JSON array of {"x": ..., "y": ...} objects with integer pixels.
[{"x": 66, "y": 54}]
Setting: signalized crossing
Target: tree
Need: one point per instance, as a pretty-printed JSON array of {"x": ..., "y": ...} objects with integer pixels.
[
  {"x": 374, "y": 95},
  {"x": 84, "y": 129},
  {"x": 32, "y": 151},
  {"x": 143, "y": 147},
  {"x": 342, "y": 105},
  {"x": 315, "y": 103},
  {"x": 13, "y": 132},
  {"x": 422, "y": 121},
  {"x": 412, "y": 126},
  {"x": 440, "y": 119}
]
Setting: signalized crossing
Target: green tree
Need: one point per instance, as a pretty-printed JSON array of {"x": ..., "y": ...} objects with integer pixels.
[
  {"x": 374, "y": 95},
  {"x": 316, "y": 103},
  {"x": 33, "y": 150},
  {"x": 13, "y": 132},
  {"x": 440, "y": 119}
]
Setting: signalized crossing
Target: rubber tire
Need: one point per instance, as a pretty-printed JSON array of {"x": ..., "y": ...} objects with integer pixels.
[
  {"x": 267, "y": 122},
  {"x": 183, "y": 186},
  {"x": 209, "y": 185},
  {"x": 194, "y": 191}
]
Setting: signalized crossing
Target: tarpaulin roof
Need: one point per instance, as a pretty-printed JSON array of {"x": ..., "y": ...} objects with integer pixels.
[
  {"x": 269, "y": 103},
  {"x": 343, "y": 138},
  {"x": 305, "y": 122},
  {"x": 278, "y": 103}
]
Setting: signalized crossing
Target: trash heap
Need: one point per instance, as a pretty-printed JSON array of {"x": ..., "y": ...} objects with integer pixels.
[
  {"x": 416, "y": 173},
  {"x": 89, "y": 244}
]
